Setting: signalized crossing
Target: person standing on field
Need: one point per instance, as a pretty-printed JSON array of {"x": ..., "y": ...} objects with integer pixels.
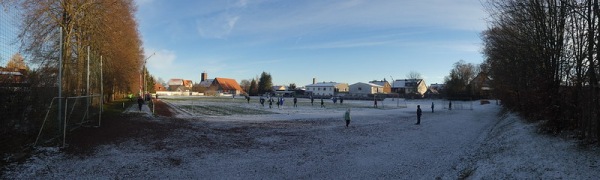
[
  {"x": 347, "y": 117},
  {"x": 375, "y": 103},
  {"x": 432, "y": 107},
  {"x": 419, "y": 113},
  {"x": 295, "y": 101},
  {"x": 322, "y": 103}
]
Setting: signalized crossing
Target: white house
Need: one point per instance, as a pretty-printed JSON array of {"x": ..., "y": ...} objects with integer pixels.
[
  {"x": 327, "y": 88},
  {"x": 409, "y": 86},
  {"x": 363, "y": 89}
]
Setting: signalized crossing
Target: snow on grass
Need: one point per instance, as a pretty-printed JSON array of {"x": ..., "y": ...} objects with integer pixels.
[
  {"x": 309, "y": 142},
  {"x": 514, "y": 151}
]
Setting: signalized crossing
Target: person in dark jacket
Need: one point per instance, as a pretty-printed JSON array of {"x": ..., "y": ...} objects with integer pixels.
[
  {"x": 312, "y": 100},
  {"x": 419, "y": 113},
  {"x": 140, "y": 102},
  {"x": 295, "y": 101},
  {"x": 375, "y": 103},
  {"x": 278, "y": 103},
  {"x": 322, "y": 103},
  {"x": 432, "y": 107},
  {"x": 347, "y": 117}
]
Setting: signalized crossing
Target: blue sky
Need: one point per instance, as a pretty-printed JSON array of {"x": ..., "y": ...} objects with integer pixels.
[{"x": 335, "y": 40}]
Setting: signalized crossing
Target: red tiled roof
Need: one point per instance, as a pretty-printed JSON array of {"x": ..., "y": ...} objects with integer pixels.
[
  {"x": 187, "y": 83},
  {"x": 175, "y": 82},
  {"x": 159, "y": 87},
  {"x": 228, "y": 84}
]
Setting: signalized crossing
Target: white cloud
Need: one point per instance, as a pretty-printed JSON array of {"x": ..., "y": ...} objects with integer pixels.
[
  {"x": 241, "y": 3},
  {"x": 377, "y": 40},
  {"x": 217, "y": 27},
  {"x": 303, "y": 16},
  {"x": 347, "y": 44},
  {"x": 162, "y": 60}
]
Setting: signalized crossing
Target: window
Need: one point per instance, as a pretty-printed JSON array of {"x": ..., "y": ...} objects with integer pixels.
[{"x": 360, "y": 88}]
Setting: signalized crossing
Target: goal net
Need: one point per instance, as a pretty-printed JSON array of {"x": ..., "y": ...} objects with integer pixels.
[
  {"x": 75, "y": 112},
  {"x": 458, "y": 105}
]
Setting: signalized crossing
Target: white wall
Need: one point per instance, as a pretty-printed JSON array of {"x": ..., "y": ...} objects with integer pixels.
[
  {"x": 364, "y": 89},
  {"x": 177, "y": 93},
  {"x": 321, "y": 90}
]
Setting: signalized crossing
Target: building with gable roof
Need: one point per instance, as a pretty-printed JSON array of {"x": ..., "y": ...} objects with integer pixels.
[
  {"x": 159, "y": 87},
  {"x": 13, "y": 75},
  {"x": 226, "y": 85},
  {"x": 409, "y": 86},
  {"x": 327, "y": 88},
  {"x": 179, "y": 85},
  {"x": 481, "y": 85},
  {"x": 204, "y": 81},
  {"x": 365, "y": 89},
  {"x": 387, "y": 87},
  {"x": 219, "y": 85}
]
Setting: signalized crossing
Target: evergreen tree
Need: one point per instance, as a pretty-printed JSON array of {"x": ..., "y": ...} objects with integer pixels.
[
  {"x": 253, "y": 90},
  {"x": 265, "y": 84}
]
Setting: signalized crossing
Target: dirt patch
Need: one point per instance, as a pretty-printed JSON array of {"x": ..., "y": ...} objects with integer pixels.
[
  {"x": 121, "y": 128},
  {"x": 162, "y": 109}
]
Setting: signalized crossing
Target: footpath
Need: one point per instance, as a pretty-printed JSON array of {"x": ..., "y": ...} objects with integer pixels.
[{"x": 134, "y": 109}]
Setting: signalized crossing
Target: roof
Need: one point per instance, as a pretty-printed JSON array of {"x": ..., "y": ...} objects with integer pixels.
[
  {"x": 324, "y": 84},
  {"x": 158, "y": 86},
  {"x": 175, "y": 82},
  {"x": 402, "y": 83},
  {"x": 381, "y": 83},
  {"x": 370, "y": 84},
  {"x": 206, "y": 82},
  {"x": 436, "y": 86},
  {"x": 11, "y": 73},
  {"x": 187, "y": 83},
  {"x": 228, "y": 84}
]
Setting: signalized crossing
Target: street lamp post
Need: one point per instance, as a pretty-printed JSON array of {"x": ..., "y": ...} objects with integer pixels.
[{"x": 143, "y": 74}]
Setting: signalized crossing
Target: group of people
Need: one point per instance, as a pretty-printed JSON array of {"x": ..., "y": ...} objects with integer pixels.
[
  {"x": 280, "y": 101},
  {"x": 420, "y": 112},
  {"x": 141, "y": 99},
  {"x": 347, "y": 117}
]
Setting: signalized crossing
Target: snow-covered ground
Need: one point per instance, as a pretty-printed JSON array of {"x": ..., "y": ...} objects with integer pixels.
[{"x": 248, "y": 141}]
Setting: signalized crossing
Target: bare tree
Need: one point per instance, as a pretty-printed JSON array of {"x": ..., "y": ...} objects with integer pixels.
[
  {"x": 17, "y": 62},
  {"x": 543, "y": 57},
  {"x": 245, "y": 84},
  {"x": 414, "y": 75},
  {"x": 459, "y": 78},
  {"x": 108, "y": 28}
]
